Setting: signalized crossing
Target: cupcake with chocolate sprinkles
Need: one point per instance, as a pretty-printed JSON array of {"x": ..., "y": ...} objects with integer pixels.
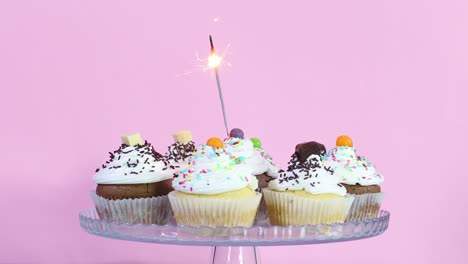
[
  {"x": 180, "y": 152},
  {"x": 308, "y": 192},
  {"x": 132, "y": 186},
  {"x": 358, "y": 176}
]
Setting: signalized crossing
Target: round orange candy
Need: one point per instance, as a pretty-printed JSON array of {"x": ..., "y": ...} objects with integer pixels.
[
  {"x": 215, "y": 142},
  {"x": 344, "y": 141}
]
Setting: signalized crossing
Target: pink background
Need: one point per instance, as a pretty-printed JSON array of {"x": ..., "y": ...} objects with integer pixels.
[{"x": 75, "y": 75}]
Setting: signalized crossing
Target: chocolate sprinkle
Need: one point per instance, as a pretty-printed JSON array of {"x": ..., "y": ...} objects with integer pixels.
[
  {"x": 142, "y": 150},
  {"x": 329, "y": 169},
  {"x": 179, "y": 151}
]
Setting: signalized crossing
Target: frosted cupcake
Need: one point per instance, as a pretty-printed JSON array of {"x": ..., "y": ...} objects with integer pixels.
[
  {"x": 308, "y": 193},
  {"x": 179, "y": 153},
  {"x": 358, "y": 176},
  {"x": 255, "y": 157},
  {"x": 133, "y": 185},
  {"x": 215, "y": 190}
]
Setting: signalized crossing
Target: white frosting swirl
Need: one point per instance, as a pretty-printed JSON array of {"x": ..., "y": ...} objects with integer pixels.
[
  {"x": 133, "y": 165},
  {"x": 212, "y": 171},
  {"x": 350, "y": 168},
  {"x": 272, "y": 168},
  {"x": 314, "y": 178},
  {"x": 256, "y": 159}
]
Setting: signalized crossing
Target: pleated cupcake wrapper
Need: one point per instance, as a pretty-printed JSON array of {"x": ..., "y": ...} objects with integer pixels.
[
  {"x": 262, "y": 212},
  {"x": 199, "y": 211},
  {"x": 155, "y": 210},
  {"x": 287, "y": 209},
  {"x": 365, "y": 206}
]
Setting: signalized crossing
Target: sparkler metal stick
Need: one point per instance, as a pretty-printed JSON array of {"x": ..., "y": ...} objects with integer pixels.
[{"x": 215, "y": 61}]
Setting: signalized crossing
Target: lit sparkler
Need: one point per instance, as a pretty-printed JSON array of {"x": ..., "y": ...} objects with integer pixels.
[{"x": 213, "y": 62}]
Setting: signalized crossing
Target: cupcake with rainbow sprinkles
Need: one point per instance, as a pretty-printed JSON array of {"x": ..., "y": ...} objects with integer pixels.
[
  {"x": 358, "y": 176},
  {"x": 216, "y": 189},
  {"x": 256, "y": 158}
]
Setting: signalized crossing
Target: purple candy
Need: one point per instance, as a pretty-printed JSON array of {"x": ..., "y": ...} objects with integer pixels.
[{"x": 237, "y": 133}]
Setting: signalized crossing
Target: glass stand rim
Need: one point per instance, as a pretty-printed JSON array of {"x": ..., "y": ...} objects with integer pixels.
[{"x": 261, "y": 234}]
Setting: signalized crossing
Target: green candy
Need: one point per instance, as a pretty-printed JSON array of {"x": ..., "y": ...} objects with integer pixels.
[{"x": 256, "y": 142}]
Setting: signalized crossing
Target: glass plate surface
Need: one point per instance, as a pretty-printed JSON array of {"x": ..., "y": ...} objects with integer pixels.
[{"x": 261, "y": 234}]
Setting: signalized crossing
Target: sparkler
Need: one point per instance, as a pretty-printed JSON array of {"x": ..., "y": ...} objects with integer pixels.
[{"x": 213, "y": 62}]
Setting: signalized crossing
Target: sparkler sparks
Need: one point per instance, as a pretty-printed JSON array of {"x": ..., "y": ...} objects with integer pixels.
[
  {"x": 221, "y": 61},
  {"x": 214, "y": 61}
]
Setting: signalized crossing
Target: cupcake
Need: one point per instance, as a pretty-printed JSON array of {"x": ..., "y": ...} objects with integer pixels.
[
  {"x": 308, "y": 192},
  {"x": 358, "y": 176},
  {"x": 256, "y": 158},
  {"x": 179, "y": 153},
  {"x": 132, "y": 186},
  {"x": 215, "y": 190}
]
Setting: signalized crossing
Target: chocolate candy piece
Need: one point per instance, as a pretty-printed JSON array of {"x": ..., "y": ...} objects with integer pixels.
[
  {"x": 304, "y": 150},
  {"x": 237, "y": 133}
]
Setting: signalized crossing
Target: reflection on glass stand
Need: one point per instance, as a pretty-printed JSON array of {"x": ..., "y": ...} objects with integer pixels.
[{"x": 236, "y": 244}]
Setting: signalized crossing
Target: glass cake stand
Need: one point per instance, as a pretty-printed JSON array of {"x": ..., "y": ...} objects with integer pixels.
[{"x": 234, "y": 244}]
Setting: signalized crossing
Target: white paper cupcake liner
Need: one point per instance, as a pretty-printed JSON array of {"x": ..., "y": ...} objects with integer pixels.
[
  {"x": 365, "y": 206},
  {"x": 200, "y": 211},
  {"x": 286, "y": 209},
  {"x": 154, "y": 210}
]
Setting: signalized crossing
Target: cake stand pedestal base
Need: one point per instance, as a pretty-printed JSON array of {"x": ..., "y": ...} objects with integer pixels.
[{"x": 234, "y": 255}]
